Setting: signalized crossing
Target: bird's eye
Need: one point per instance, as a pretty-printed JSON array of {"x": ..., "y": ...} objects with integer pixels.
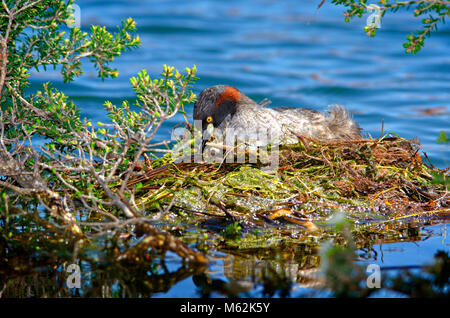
[{"x": 209, "y": 119}]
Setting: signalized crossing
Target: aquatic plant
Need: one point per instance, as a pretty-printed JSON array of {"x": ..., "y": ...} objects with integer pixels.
[
  {"x": 377, "y": 182},
  {"x": 345, "y": 277}
]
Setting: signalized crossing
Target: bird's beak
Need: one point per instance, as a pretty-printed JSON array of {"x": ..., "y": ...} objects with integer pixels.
[
  {"x": 202, "y": 147},
  {"x": 206, "y": 135}
]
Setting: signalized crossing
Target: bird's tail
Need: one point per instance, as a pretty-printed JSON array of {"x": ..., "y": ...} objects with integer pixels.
[{"x": 340, "y": 122}]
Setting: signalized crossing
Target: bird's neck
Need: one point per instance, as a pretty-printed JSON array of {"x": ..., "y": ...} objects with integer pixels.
[{"x": 246, "y": 103}]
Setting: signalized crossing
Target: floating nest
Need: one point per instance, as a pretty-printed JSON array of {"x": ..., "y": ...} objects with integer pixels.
[{"x": 381, "y": 185}]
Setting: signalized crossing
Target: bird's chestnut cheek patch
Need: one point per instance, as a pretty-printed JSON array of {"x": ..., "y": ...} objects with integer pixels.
[{"x": 229, "y": 94}]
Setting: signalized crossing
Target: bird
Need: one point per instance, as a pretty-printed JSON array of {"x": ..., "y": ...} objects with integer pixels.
[{"x": 229, "y": 111}]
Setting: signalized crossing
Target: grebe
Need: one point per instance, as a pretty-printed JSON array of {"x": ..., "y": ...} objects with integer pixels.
[{"x": 228, "y": 109}]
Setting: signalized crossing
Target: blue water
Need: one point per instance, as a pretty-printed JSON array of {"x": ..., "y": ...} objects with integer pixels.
[{"x": 294, "y": 55}]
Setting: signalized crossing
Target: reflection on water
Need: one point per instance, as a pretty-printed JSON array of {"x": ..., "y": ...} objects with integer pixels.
[{"x": 286, "y": 272}]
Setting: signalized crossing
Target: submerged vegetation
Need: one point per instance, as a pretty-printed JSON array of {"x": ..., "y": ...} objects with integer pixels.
[{"x": 98, "y": 195}]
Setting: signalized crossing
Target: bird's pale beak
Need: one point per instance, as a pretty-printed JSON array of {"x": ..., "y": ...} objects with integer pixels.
[
  {"x": 202, "y": 147},
  {"x": 206, "y": 135}
]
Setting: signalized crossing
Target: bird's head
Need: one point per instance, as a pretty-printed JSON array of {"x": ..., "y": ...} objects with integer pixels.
[{"x": 215, "y": 103}]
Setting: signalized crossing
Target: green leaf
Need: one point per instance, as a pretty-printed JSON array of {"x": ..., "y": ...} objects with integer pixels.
[
  {"x": 443, "y": 138},
  {"x": 440, "y": 179}
]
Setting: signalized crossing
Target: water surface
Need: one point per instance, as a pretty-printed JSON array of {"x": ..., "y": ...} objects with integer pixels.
[{"x": 294, "y": 55}]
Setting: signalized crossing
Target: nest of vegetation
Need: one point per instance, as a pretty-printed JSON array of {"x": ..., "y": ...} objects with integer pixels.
[{"x": 381, "y": 185}]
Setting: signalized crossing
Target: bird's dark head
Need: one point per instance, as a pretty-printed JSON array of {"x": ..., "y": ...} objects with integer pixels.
[{"x": 215, "y": 103}]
